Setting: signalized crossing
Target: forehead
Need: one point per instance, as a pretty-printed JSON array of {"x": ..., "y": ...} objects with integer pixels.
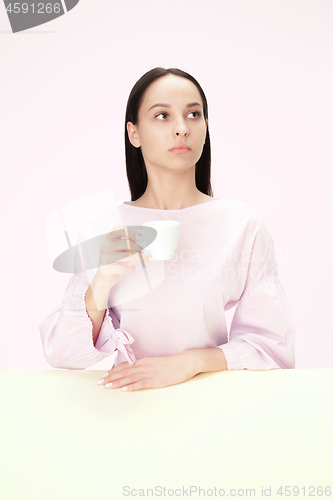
[{"x": 171, "y": 89}]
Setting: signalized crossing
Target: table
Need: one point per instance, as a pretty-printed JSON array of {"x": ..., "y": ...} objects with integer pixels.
[{"x": 64, "y": 437}]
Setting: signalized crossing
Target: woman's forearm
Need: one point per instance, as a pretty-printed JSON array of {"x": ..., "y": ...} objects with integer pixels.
[
  {"x": 96, "y": 299},
  {"x": 209, "y": 360}
]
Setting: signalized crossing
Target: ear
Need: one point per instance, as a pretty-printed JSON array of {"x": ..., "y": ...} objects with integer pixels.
[{"x": 133, "y": 136}]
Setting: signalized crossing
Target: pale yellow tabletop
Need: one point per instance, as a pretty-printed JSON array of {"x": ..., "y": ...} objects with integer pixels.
[{"x": 233, "y": 433}]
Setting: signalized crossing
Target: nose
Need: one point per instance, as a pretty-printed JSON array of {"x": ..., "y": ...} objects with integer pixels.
[{"x": 181, "y": 128}]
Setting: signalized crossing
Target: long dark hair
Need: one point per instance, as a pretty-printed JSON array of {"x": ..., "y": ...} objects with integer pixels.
[{"x": 135, "y": 165}]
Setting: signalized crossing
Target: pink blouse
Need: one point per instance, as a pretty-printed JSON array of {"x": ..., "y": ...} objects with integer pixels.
[{"x": 224, "y": 258}]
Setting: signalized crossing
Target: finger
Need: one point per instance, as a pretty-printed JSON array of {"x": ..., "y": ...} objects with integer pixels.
[
  {"x": 126, "y": 232},
  {"x": 120, "y": 243},
  {"x": 132, "y": 234},
  {"x": 106, "y": 377},
  {"x": 125, "y": 364},
  {"x": 121, "y": 381},
  {"x": 120, "y": 378},
  {"x": 141, "y": 384},
  {"x": 131, "y": 383},
  {"x": 120, "y": 255},
  {"x": 123, "y": 258},
  {"x": 125, "y": 249}
]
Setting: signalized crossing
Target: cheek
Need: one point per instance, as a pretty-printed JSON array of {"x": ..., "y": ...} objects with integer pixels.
[
  {"x": 203, "y": 133},
  {"x": 152, "y": 145},
  {"x": 153, "y": 139}
]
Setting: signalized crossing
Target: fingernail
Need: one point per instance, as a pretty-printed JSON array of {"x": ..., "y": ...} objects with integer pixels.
[
  {"x": 109, "y": 384},
  {"x": 138, "y": 237},
  {"x": 124, "y": 388},
  {"x": 105, "y": 374},
  {"x": 100, "y": 381}
]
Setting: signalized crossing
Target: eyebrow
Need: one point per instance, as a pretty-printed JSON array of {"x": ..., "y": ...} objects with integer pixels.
[{"x": 163, "y": 105}]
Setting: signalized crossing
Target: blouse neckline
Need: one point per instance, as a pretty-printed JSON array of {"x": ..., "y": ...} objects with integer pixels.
[{"x": 173, "y": 210}]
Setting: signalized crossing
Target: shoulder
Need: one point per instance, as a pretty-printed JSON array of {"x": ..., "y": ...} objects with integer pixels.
[
  {"x": 240, "y": 216},
  {"x": 240, "y": 210}
]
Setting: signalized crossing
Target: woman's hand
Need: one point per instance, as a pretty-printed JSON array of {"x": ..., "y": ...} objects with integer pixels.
[
  {"x": 118, "y": 250},
  {"x": 148, "y": 373}
]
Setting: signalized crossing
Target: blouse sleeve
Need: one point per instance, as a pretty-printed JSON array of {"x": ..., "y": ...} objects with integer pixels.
[
  {"x": 262, "y": 332},
  {"x": 67, "y": 333}
]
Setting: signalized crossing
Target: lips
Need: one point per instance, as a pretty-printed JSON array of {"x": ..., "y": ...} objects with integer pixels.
[{"x": 181, "y": 148}]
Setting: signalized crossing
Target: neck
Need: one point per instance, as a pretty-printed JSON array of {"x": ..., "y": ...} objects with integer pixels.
[{"x": 172, "y": 191}]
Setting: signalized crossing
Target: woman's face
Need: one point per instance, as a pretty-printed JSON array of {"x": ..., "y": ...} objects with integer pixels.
[{"x": 165, "y": 120}]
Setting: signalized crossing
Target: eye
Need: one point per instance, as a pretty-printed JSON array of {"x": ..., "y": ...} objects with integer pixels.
[
  {"x": 197, "y": 112},
  {"x": 192, "y": 113},
  {"x": 161, "y": 114}
]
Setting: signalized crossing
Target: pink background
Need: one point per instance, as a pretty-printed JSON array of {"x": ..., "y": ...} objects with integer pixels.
[{"x": 266, "y": 69}]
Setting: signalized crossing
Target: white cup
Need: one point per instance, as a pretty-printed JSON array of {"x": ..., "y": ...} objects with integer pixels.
[{"x": 165, "y": 243}]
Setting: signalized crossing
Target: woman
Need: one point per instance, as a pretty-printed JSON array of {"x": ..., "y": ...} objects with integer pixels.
[{"x": 224, "y": 258}]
